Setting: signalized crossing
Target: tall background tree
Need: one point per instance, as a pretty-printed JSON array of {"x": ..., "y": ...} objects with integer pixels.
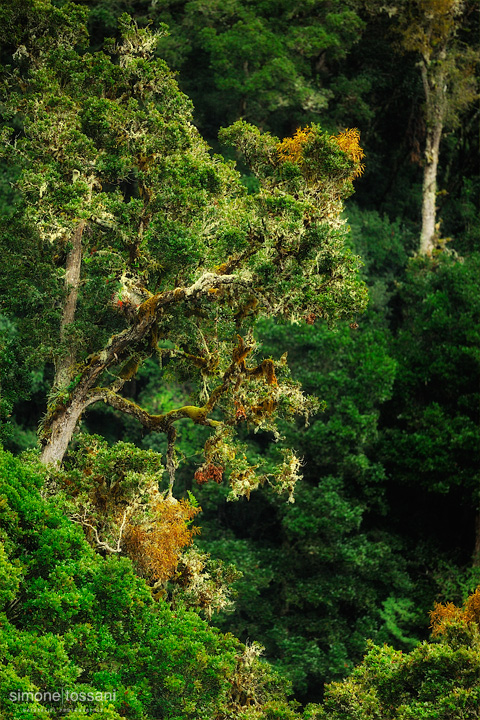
[{"x": 438, "y": 32}]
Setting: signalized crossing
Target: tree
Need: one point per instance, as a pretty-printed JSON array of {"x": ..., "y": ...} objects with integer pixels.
[
  {"x": 430, "y": 427},
  {"x": 271, "y": 64},
  {"x": 87, "y": 627},
  {"x": 432, "y": 29},
  {"x": 436, "y": 680},
  {"x": 322, "y": 575},
  {"x": 134, "y": 241}
]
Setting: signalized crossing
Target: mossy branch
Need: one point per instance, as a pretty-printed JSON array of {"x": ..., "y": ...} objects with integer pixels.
[{"x": 155, "y": 423}]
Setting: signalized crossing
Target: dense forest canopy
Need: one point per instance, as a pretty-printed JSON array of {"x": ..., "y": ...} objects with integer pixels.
[{"x": 182, "y": 327}]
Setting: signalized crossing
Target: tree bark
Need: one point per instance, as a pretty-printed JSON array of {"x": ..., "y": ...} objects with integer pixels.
[
  {"x": 429, "y": 211},
  {"x": 72, "y": 284},
  {"x": 61, "y": 430},
  {"x": 476, "y": 549},
  {"x": 434, "y": 87}
]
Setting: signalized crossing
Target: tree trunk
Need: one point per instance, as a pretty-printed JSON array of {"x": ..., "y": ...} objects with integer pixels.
[
  {"x": 476, "y": 549},
  {"x": 428, "y": 236},
  {"x": 60, "y": 433},
  {"x": 72, "y": 284}
]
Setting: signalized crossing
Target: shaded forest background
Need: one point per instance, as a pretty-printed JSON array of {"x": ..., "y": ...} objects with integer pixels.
[{"x": 386, "y": 519}]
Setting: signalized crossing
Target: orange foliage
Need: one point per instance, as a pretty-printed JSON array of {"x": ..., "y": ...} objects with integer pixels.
[
  {"x": 442, "y": 615},
  {"x": 155, "y": 547},
  {"x": 472, "y": 607},
  {"x": 240, "y": 413},
  {"x": 349, "y": 142},
  {"x": 290, "y": 149},
  {"x": 209, "y": 471}
]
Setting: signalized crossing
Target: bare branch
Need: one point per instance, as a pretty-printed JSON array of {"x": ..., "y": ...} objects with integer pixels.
[
  {"x": 101, "y": 543},
  {"x": 171, "y": 465}
]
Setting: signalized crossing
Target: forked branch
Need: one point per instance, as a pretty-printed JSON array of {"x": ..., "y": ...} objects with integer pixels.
[{"x": 81, "y": 520}]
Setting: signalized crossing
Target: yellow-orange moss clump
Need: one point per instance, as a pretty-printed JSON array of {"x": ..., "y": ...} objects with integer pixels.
[{"x": 155, "y": 548}]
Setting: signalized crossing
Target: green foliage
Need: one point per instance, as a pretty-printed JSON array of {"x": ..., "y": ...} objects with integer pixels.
[
  {"x": 107, "y": 138},
  {"x": 323, "y": 574},
  {"x": 266, "y": 62},
  {"x": 75, "y": 621},
  {"x": 129, "y": 232},
  {"x": 433, "y": 681},
  {"x": 436, "y": 392},
  {"x": 384, "y": 245}
]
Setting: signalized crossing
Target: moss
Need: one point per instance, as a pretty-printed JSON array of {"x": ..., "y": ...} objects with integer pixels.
[
  {"x": 130, "y": 368},
  {"x": 241, "y": 351},
  {"x": 148, "y": 307},
  {"x": 266, "y": 369},
  {"x": 195, "y": 413}
]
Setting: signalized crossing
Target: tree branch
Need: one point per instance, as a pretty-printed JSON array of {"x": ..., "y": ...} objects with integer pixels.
[
  {"x": 148, "y": 313},
  {"x": 156, "y": 423},
  {"x": 101, "y": 543},
  {"x": 171, "y": 465}
]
